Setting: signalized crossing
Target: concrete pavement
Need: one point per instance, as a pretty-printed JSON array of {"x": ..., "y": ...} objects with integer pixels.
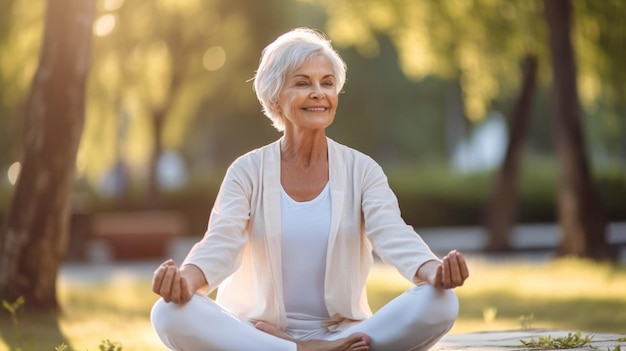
[
  {"x": 529, "y": 240},
  {"x": 507, "y": 340}
]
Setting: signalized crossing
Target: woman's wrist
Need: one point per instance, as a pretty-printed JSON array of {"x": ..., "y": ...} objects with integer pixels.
[
  {"x": 194, "y": 276},
  {"x": 426, "y": 272}
]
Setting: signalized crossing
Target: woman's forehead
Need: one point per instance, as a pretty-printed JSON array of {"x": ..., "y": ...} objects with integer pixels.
[{"x": 318, "y": 65}]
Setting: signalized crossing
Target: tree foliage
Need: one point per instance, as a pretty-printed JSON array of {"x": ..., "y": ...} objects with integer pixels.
[
  {"x": 163, "y": 68},
  {"x": 480, "y": 42},
  {"x": 599, "y": 35},
  {"x": 156, "y": 62},
  {"x": 477, "y": 41},
  {"x": 20, "y": 39},
  {"x": 472, "y": 41}
]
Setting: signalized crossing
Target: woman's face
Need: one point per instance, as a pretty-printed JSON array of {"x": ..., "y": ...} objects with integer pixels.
[{"x": 308, "y": 99}]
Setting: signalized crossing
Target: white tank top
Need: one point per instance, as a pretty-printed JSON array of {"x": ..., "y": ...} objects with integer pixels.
[{"x": 305, "y": 231}]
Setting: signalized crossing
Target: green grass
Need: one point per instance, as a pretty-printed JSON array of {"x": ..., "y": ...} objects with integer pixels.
[
  {"x": 565, "y": 294},
  {"x": 571, "y": 341}
]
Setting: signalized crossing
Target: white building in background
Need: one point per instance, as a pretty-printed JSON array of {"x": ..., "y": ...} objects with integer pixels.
[
  {"x": 171, "y": 174},
  {"x": 484, "y": 148},
  {"x": 171, "y": 171}
]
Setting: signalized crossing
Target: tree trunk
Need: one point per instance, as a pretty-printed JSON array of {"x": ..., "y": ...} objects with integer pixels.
[
  {"x": 154, "y": 188},
  {"x": 158, "y": 119},
  {"x": 583, "y": 223},
  {"x": 34, "y": 239},
  {"x": 502, "y": 207}
]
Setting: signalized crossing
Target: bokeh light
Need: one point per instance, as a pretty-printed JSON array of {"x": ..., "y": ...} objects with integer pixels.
[
  {"x": 113, "y": 5},
  {"x": 14, "y": 172},
  {"x": 104, "y": 25},
  {"x": 214, "y": 58}
]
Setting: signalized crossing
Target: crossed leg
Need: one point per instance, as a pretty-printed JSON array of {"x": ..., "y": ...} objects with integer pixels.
[
  {"x": 413, "y": 321},
  {"x": 353, "y": 342}
]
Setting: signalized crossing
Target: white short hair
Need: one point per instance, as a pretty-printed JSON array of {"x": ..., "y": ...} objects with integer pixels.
[{"x": 284, "y": 55}]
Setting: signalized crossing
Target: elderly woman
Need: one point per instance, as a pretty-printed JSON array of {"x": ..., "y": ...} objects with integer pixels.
[{"x": 291, "y": 237}]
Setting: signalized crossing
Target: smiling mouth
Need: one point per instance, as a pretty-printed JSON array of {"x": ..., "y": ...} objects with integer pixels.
[{"x": 316, "y": 109}]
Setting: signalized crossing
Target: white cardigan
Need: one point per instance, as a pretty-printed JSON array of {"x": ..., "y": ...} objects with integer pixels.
[{"x": 241, "y": 249}]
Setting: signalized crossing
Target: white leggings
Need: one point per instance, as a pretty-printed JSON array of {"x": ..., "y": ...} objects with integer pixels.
[{"x": 415, "y": 320}]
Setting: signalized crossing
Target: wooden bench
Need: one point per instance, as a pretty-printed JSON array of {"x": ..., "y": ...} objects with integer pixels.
[{"x": 138, "y": 234}]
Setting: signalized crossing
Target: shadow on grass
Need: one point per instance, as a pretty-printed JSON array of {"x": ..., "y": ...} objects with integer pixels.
[{"x": 39, "y": 331}]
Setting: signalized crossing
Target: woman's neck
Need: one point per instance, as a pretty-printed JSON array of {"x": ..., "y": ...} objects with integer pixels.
[{"x": 304, "y": 149}]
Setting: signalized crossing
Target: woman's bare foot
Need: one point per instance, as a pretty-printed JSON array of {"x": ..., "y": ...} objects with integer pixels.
[{"x": 353, "y": 342}]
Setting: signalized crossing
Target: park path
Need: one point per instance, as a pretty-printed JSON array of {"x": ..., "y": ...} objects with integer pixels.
[
  {"x": 529, "y": 242},
  {"x": 535, "y": 242},
  {"x": 510, "y": 340}
]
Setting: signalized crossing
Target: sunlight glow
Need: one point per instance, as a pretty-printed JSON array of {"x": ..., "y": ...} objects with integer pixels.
[
  {"x": 14, "y": 172},
  {"x": 181, "y": 6},
  {"x": 381, "y": 15},
  {"x": 104, "y": 25},
  {"x": 416, "y": 59},
  {"x": 590, "y": 88},
  {"x": 477, "y": 84},
  {"x": 214, "y": 58},
  {"x": 113, "y": 5}
]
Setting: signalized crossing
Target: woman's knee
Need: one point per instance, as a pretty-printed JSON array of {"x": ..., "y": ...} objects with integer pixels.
[
  {"x": 170, "y": 319},
  {"x": 164, "y": 317},
  {"x": 414, "y": 320},
  {"x": 437, "y": 306},
  {"x": 449, "y": 307}
]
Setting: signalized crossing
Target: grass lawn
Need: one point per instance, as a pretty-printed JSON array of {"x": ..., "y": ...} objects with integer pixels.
[{"x": 565, "y": 294}]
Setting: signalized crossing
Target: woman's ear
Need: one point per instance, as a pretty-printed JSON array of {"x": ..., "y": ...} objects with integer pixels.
[{"x": 275, "y": 106}]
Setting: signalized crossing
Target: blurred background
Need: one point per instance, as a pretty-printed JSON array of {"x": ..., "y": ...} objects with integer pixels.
[
  {"x": 431, "y": 95},
  {"x": 458, "y": 100}
]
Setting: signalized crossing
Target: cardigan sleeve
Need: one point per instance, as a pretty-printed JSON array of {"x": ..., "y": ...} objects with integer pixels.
[
  {"x": 219, "y": 253},
  {"x": 395, "y": 242}
]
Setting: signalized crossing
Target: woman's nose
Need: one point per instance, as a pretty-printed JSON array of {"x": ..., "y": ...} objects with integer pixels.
[{"x": 317, "y": 91}]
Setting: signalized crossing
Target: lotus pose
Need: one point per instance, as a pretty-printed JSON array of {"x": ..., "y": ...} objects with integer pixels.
[{"x": 293, "y": 232}]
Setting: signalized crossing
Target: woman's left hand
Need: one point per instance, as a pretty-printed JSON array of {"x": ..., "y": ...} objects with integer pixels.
[{"x": 450, "y": 273}]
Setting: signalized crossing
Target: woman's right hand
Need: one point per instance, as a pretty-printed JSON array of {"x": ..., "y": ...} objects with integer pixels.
[{"x": 174, "y": 284}]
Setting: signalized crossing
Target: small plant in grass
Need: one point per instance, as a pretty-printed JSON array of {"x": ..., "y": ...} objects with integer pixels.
[
  {"x": 571, "y": 341},
  {"x": 527, "y": 321},
  {"x": 105, "y": 345},
  {"x": 13, "y": 308},
  {"x": 108, "y": 345}
]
